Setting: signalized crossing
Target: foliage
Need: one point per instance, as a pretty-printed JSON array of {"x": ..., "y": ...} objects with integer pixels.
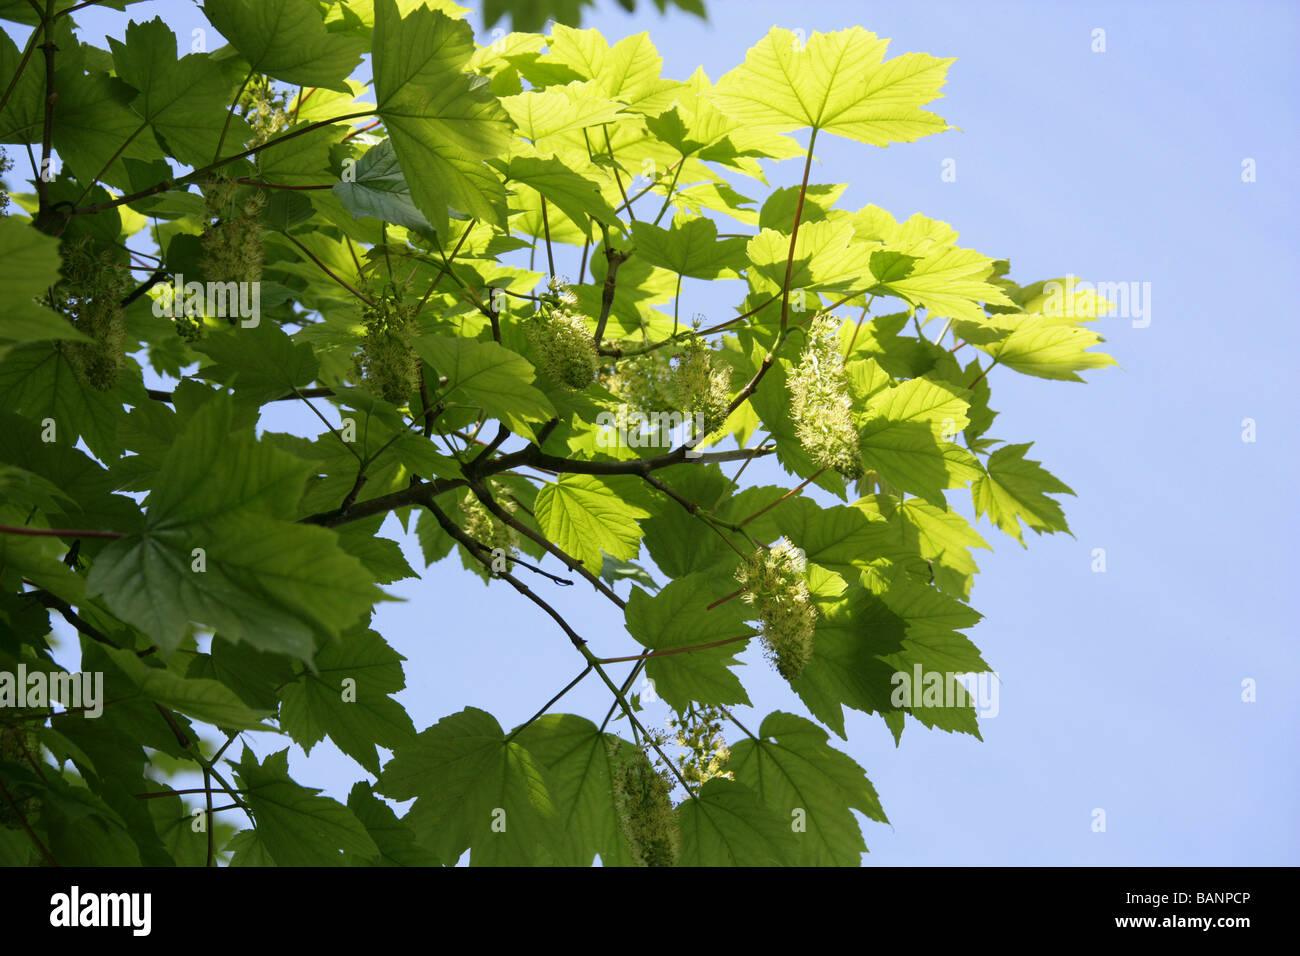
[{"x": 249, "y": 226}]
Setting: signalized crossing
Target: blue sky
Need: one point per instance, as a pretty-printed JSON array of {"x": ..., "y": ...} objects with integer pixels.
[{"x": 1119, "y": 690}]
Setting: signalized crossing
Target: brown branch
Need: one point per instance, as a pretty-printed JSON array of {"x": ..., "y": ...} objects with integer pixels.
[
  {"x": 794, "y": 232},
  {"x": 156, "y": 794},
  {"x": 200, "y": 174},
  {"x": 65, "y": 610},
  {"x": 675, "y": 650},
  {"x": 546, "y": 228},
  {"x": 549, "y": 704},
  {"x": 48, "y": 48},
  {"x": 419, "y": 494},
  {"x": 162, "y": 395},
  {"x": 614, "y": 258},
  {"x": 474, "y": 548}
]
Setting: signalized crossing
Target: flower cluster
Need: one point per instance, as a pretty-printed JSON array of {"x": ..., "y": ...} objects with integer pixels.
[
  {"x": 775, "y": 582},
  {"x": 561, "y": 342},
  {"x": 232, "y": 238},
  {"x": 689, "y": 380},
  {"x": 820, "y": 404},
  {"x": 91, "y": 295},
  {"x": 486, "y": 528},
  {"x": 642, "y": 798},
  {"x": 563, "y": 347},
  {"x": 700, "y": 734},
  {"x": 6, "y": 164},
  {"x": 387, "y": 363},
  {"x": 265, "y": 108}
]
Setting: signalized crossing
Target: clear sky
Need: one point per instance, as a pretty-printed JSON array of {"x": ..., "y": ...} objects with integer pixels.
[{"x": 1119, "y": 690}]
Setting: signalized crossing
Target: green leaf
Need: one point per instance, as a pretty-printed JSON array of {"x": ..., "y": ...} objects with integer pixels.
[
  {"x": 825, "y": 257},
  {"x": 1043, "y": 346},
  {"x": 945, "y": 538},
  {"x": 287, "y": 39},
  {"x": 905, "y": 438},
  {"x": 248, "y": 849},
  {"x": 184, "y": 100},
  {"x": 380, "y": 190},
  {"x": 778, "y": 210},
  {"x": 584, "y": 517},
  {"x": 628, "y": 72},
  {"x": 444, "y": 124},
  {"x": 348, "y": 698},
  {"x": 226, "y": 494},
  {"x": 728, "y": 825},
  {"x": 677, "y": 617},
  {"x": 396, "y": 840},
  {"x": 488, "y": 376},
  {"x": 838, "y": 82},
  {"x": 1015, "y": 489},
  {"x": 254, "y": 675},
  {"x": 801, "y": 779},
  {"x": 94, "y": 126},
  {"x": 557, "y": 110},
  {"x": 38, "y": 382},
  {"x": 577, "y": 196},
  {"x": 207, "y": 700},
  {"x": 842, "y": 539},
  {"x": 951, "y": 282},
  {"x": 474, "y": 791},
  {"x": 295, "y": 825},
  {"x": 579, "y": 767},
  {"x": 260, "y": 363},
  {"x": 81, "y": 829},
  {"x": 20, "y": 121},
  {"x": 29, "y": 265},
  {"x": 690, "y": 248}
]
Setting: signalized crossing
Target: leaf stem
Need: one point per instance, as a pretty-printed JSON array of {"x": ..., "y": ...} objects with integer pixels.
[
  {"x": 230, "y": 114},
  {"x": 59, "y": 532},
  {"x": 675, "y": 650},
  {"x": 329, "y": 272},
  {"x": 794, "y": 232},
  {"x": 549, "y": 704}
]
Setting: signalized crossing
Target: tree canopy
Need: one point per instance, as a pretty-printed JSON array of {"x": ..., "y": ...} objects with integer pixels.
[{"x": 475, "y": 270}]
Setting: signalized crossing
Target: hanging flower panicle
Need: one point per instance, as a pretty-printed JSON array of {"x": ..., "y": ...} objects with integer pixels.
[
  {"x": 775, "y": 582},
  {"x": 91, "y": 295},
  {"x": 387, "y": 364},
  {"x": 820, "y": 404},
  {"x": 231, "y": 243},
  {"x": 642, "y": 799}
]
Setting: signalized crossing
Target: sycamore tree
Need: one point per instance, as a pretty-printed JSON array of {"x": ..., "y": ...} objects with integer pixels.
[{"x": 471, "y": 270}]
